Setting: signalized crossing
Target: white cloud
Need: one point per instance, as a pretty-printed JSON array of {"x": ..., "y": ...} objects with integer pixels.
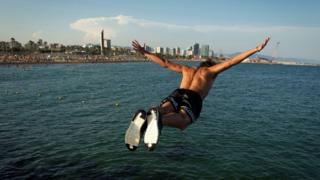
[
  {"x": 93, "y": 26},
  {"x": 113, "y": 25},
  {"x": 295, "y": 40},
  {"x": 36, "y": 35},
  {"x": 123, "y": 20}
]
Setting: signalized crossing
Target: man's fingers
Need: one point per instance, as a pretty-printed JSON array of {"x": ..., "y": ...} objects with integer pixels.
[
  {"x": 135, "y": 46},
  {"x": 267, "y": 40},
  {"x": 135, "y": 43}
]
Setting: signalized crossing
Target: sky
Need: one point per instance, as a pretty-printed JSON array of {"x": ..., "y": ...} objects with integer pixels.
[{"x": 228, "y": 26}]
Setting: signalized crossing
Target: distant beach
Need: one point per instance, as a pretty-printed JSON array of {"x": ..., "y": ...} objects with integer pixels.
[{"x": 62, "y": 58}]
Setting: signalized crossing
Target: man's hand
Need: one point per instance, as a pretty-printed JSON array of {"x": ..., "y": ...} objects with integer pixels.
[
  {"x": 138, "y": 48},
  {"x": 261, "y": 46}
]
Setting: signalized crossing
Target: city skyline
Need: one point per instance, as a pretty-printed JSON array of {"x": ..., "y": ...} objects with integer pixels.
[{"x": 228, "y": 27}]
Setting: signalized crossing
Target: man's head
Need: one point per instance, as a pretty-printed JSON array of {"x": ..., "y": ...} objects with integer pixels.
[{"x": 207, "y": 63}]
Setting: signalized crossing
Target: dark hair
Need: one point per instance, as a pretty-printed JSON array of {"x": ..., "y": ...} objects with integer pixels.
[{"x": 207, "y": 63}]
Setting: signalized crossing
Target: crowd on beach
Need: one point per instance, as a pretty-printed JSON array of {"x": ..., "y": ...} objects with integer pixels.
[{"x": 64, "y": 58}]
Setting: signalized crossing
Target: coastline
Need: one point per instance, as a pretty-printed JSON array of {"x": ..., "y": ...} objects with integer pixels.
[
  {"x": 61, "y": 58},
  {"x": 74, "y": 59}
]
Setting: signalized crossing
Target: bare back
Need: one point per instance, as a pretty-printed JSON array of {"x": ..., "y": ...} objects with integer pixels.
[{"x": 199, "y": 80}]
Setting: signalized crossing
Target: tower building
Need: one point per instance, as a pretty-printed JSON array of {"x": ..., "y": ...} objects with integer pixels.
[{"x": 102, "y": 43}]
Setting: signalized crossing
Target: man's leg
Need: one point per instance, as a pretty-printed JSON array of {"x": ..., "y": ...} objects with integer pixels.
[
  {"x": 166, "y": 108},
  {"x": 163, "y": 115},
  {"x": 172, "y": 118},
  {"x": 178, "y": 120}
]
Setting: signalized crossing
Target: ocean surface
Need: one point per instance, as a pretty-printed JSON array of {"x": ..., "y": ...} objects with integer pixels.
[{"x": 68, "y": 122}]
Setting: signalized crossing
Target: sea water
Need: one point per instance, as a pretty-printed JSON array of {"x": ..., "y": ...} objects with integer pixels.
[{"x": 69, "y": 121}]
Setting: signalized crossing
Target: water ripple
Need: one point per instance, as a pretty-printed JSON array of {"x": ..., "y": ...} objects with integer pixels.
[{"x": 68, "y": 122}]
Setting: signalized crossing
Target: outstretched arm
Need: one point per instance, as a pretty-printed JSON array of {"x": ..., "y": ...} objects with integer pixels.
[
  {"x": 238, "y": 58},
  {"x": 156, "y": 59}
]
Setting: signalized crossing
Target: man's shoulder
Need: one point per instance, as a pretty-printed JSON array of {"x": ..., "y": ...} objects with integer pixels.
[
  {"x": 205, "y": 71},
  {"x": 186, "y": 68}
]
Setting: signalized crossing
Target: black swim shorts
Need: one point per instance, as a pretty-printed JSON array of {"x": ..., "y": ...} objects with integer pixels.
[{"x": 187, "y": 100}]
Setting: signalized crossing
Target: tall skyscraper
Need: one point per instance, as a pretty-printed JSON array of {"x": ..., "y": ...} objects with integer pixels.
[
  {"x": 108, "y": 44},
  {"x": 212, "y": 53},
  {"x": 178, "y": 51},
  {"x": 183, "y": 52},
  {"x": 159, "y": 50},
  {"x": 173, "y": 52},
  {"x": 102, "y": 42},
  {"x": 189, "y": 51},
  {"x": 167, "y": 51},
  {"x": 148, "y": 48},
  {"x": 204, "y": 51},
  {"x": 196, "y": 49}
]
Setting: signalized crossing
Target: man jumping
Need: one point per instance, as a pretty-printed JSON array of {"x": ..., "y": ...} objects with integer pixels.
[{"x": 183, "y": 106}]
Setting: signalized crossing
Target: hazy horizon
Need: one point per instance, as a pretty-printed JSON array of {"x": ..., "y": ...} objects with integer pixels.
[{"x": 227, "y": 26}]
